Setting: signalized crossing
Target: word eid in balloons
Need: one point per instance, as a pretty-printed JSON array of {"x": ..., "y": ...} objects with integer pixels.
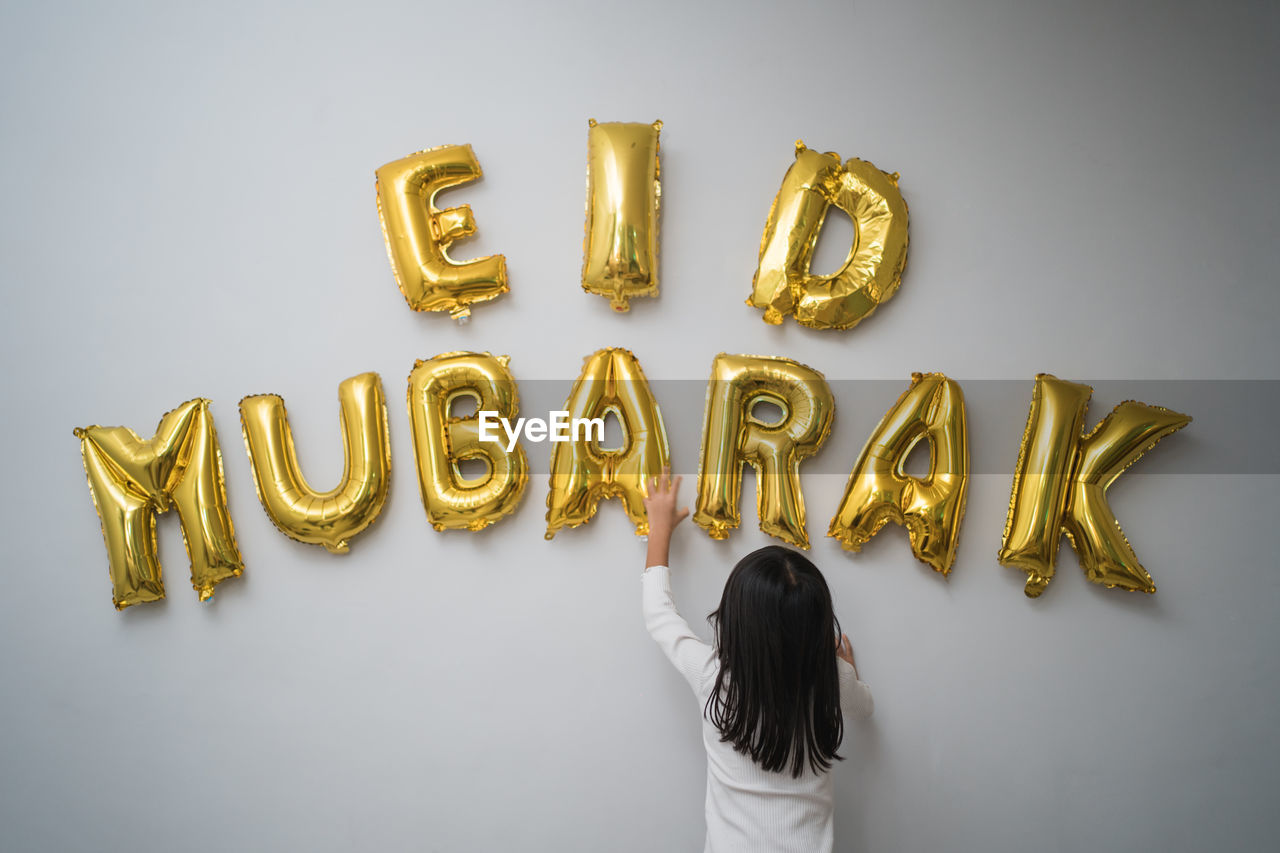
[
  {"x": 621, "y": 242},
  {"x": 1059, "y": 485}
]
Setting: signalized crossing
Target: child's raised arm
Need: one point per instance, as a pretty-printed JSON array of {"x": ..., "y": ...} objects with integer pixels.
[
  {"x": 660, "y": 505},
  {"x": 692, "y": 657}
]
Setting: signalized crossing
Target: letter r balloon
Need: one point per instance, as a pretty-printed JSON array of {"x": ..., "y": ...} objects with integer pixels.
[{"x": 733, "y": 435}]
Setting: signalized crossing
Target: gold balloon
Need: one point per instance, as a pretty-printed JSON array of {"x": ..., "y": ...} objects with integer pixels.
[
  {"x": 334, "y": 517},
  {"x": 880, "y": 490},
  {"x": 620, "y": 250},
  {"x": 418, "y": 234},
  {"x": 581, "y": 472},
  {"x": 1060, "y": 485},
  {"x": 732, "y": 434},
  {"x": 873, "y": 269},
  {"x": 132, "y": 479},
  {"x": 442, "y": 440}
]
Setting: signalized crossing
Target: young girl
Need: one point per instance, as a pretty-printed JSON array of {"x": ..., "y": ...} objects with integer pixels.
[{"x": 772, "y": 689}]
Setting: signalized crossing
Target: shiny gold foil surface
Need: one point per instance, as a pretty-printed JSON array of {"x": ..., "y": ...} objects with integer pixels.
[
  {"x": 582, "y": 473},
  {"x": 1060, "y": 485},
  {"x": 335, "y": 517},
  {"x": 419, "y": 234},
  {"x": 620, "y": 249},
  {"x": 732, "y": 435},
  {"x": 441, "y": 440},
  {"x": 132, "y": 479},
  {"x": 879, "y": 490},
  {"x": 873, "y": 268}
]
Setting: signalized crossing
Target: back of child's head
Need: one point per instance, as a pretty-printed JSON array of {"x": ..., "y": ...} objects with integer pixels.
[{"x": 777, "y": 696}]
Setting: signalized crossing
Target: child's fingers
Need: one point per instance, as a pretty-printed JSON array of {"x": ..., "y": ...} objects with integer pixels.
[
  {"x": 682, "y": 515},
  {"x": 675, "y": 486}
]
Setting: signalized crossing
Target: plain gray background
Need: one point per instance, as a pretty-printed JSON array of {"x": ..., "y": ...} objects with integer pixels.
[{"x": 188, "y": 210}]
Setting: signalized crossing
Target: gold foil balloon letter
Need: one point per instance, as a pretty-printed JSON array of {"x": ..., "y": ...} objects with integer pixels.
[
  {"x": 334, "y": 517},
  {"x": 582, "y": 473},
  {"x": 419, "y": 234},
  {"x": 1060, "y": 485},
  {"x": 873, "y": 268},
  {"x": 132, "y": 479},
  {"x": 880, "y": 491},
  {"x": 732, "y": 434},
  {"x": 441, "y": 440},
  {"x": 620, "y": 250}
]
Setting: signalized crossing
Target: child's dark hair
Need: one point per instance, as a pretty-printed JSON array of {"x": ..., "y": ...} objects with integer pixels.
[{"x": 777, "y": 696}]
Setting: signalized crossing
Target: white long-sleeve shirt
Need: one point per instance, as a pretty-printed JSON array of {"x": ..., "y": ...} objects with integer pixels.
[{"x": 747, "y": 808}]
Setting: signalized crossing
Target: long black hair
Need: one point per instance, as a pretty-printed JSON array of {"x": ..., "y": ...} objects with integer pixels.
[{"x": 777, "y": 695}]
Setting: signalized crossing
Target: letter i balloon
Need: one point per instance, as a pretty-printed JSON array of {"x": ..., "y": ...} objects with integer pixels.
[{"x": 620, "y": 249}]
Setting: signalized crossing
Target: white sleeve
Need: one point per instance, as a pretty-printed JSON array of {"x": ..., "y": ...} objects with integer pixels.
[
  {"x": 690, "y": 656},
  {"x": 855, "y": 695}
]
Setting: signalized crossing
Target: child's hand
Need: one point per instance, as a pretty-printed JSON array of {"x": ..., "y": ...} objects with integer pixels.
[
  {"x": 844, "y": 651},
  {"x": 660, "y": 504}
]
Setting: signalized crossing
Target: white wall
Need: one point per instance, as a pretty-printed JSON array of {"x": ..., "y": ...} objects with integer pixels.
[{"x": 188, "y": 210}]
